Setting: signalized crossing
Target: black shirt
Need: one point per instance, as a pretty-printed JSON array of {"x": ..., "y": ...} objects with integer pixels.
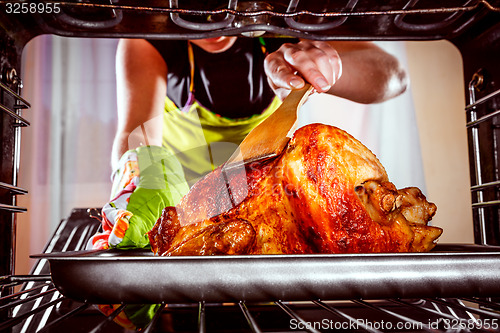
[{"x": 232, "y": 84}]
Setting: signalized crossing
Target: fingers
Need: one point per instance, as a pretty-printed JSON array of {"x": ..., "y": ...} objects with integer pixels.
[
  {"x": 280, "y": 72},
  {"x": 315, "y": 62},
  {"x": 312, "y": 61}
]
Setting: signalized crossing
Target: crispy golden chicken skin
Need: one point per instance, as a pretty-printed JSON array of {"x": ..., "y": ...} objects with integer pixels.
[{"x": 327, "y": 193}]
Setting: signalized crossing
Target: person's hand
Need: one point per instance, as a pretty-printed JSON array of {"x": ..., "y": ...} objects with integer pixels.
[
  {"x": 149, "y": 178},
  {"x": 292, "y": 64}
]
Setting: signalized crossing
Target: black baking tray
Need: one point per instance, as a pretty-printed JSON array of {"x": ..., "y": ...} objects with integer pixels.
[{"x": 111, "y": 276}]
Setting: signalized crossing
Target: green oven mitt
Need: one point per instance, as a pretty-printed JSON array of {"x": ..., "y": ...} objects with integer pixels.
[{"x": 148, "y": 179}]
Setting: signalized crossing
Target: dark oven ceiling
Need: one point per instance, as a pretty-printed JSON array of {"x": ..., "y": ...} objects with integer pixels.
[{"x": 189, "y": 19}]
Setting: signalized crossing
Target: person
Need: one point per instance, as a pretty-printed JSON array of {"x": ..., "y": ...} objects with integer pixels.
[{"x": 180, "y": 103}]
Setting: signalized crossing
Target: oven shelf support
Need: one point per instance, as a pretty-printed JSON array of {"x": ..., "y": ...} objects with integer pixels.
[{"x": 473, "y": 84}]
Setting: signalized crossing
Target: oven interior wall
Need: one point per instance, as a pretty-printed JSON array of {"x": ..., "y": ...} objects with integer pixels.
[{"x": 436, "y": 71}]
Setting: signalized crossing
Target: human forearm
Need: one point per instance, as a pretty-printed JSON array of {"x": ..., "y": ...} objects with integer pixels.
[
  {"x": 369, "y": 76},
  {"x": 141, "y": 88},
  {"x": 120, "y": 147},
  {"x": 359, "y": 71}
]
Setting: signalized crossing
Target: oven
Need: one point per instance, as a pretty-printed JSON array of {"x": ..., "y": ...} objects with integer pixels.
[{"x": 460, "y": 296}]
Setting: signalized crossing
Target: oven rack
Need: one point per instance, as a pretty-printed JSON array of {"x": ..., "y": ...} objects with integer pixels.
[
  {"x": 459, "y": 18},
  {"x": 11, "y": 122},
  {"x": 20, "y": 103},
  {"x": 483, "y": 122},
  {"x": 45, "y": 310},
  {"x": 10, "y": 106},
  {"x": 347, "y": 19}
]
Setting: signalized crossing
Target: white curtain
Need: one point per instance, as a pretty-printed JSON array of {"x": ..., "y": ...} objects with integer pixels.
[{"x": 66, "y": 152}]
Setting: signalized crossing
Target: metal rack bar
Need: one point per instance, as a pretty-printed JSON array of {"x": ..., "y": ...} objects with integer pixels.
[
  {"x": 486, "y": 204},
  {"x": 64, "y": 317},
  {"x": 27, "y": 299},
  {"x": 201, "y": 318},
  {"x": 14, "y": 209},
  {"x": 292, "y": 7},
  {"x": 250, "y": 319},
  {"x": 16, "y": 320},
  {"x": 47, "y": 313},
  {"x": 24, "y": 105},
  {"x": 102, "y": 325},
  {"x": 483, "y": 302},
  {"x": 84, "y": 236},
  {"x": 169, "y": 10},
  {"x": 347, "y": 317},
  {"x": 473, "y": 104},
  {"x": 481, "y": 312},
  {"x": 70, "y": 238},
  {"x": 16, "y": 295},
  {"x": 442, "y": 23},
  {"x": 416, "y": 323},
  {"x": 203, "y": 26},
  {"x": 13, "y": 114},
  {"x": 30, "y": 278},
  {"x": 12, "y": 188},
  {"x": 338, "y": 309},
  {"x": 152, "y": 324}
]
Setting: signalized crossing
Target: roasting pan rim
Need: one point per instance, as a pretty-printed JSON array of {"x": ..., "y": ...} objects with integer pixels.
[{"x": 445, "y": 249}]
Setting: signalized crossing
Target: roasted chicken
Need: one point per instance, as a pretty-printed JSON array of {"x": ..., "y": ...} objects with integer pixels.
[{"x": 327, "y": 193}]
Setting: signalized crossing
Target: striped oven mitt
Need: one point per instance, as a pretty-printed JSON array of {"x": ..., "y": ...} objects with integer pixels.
[{"x": 148, "y": 179}]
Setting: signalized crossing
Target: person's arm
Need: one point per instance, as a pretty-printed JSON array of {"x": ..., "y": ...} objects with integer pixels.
[
  {"x": 141, "y": 78},
  {"x": 146, "y": 176},
  {"x": 359, "y": 71}
]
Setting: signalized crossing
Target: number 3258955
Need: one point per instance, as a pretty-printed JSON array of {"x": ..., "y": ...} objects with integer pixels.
[{"x": 32, "y": 8}]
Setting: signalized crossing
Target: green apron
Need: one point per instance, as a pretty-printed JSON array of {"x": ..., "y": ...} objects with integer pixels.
[{"x": 201, "y": 139}]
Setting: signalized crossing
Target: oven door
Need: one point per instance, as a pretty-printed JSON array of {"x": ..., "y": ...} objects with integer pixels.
[{"x": 31, "y": 303}]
